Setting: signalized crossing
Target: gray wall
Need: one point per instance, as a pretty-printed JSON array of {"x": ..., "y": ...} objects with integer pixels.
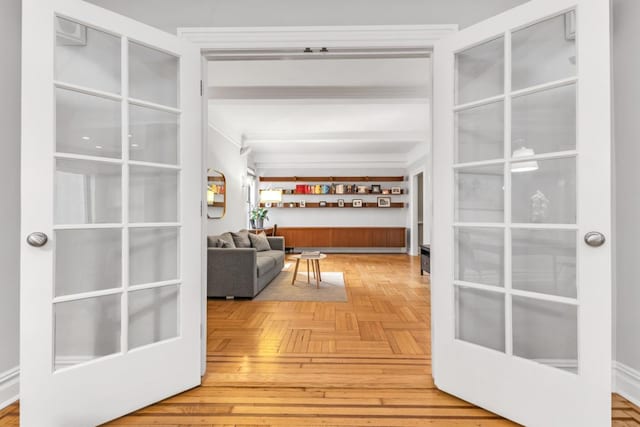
[
  {"x": 167, "y": 15},
  {"x": 626, "y": 69},
  {"x": 10, "y": 176}
]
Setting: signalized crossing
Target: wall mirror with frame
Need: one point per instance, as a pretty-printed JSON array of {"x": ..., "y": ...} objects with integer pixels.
[{"x": 216, "y": 194}]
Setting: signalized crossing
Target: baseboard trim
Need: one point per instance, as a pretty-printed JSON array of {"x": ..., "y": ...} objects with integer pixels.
[
  {"x": 626, "y": 382},
  {"x": 9, "y": 387}
]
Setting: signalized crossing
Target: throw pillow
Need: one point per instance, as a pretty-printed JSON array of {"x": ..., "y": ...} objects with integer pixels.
[
  {"x": 260, "y": 242},
  {"x": 212, "y": 241},
  {"x": 241, "y": 239},
  {"x": 224, "y": 244},
  {"x": 227, "y": 237}
]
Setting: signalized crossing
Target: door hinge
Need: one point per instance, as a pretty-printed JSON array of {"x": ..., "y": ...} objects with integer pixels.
[{"x": 201, "y": 88}]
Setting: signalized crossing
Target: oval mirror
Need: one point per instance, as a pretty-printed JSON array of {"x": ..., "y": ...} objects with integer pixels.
[{"x": 216, "y": 194}]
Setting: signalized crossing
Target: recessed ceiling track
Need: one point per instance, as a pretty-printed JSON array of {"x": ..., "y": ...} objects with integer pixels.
[{"x": 314, "y": 52}]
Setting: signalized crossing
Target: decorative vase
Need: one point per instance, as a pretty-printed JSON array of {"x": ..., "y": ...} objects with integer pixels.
[
  {"x": 259, "y": 223},
  {"x": 252, "y": 222}
]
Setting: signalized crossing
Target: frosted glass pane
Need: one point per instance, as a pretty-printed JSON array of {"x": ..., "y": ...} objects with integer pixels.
[
  {"x": 153, "y": 194},
  {"x": 87, "y": 192},
  {"x": 544, "y": 261},
  {"x": 153, "y": 75},
  {"x": 480, "y": 71},
  {"x": 480, "y": 133},
  {"x": 544, "y": 52},
  {"x": 153, "y": 255},
  {"x": 88, "y": 125},
  {"x": 480, "y": 317},
  {"x": 86, "y": 329},
  {"x": 480, "y": 194},
  {"x": 546, "y": 332},
  {"x": 480, "y": 255},
  {"x": 153, "y": 315},
  {"x": 544, "y": 192},
  {"x": 545, "y": 121},
  {"x": 153, "y": 135},
  {"x": 87, "y": 57},
  {"x": 87, "y": 260}
]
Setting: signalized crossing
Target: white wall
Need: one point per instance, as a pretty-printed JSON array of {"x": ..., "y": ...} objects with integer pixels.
[
  {"x": 224, "y": 156},
  {"x": 10, "y": 196},
  {"x": 626, "y": 69},
  {"x": 167, "y": 15}
]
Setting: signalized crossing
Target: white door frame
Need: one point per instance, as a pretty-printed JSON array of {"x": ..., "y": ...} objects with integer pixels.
[{"x": 246, "y": 40}]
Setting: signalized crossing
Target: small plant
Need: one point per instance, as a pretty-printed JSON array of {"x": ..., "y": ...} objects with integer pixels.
[{"x": 257, "y": 215}]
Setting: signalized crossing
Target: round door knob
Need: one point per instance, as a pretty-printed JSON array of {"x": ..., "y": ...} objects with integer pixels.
[
  {"x": 37, "y": 239},
  {"x": 594, "y": 239}
]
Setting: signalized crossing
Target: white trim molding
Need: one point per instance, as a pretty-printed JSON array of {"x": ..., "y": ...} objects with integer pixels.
[
  {"x": 626, "y": 382},
  {"x": 9, "y": 386},
  {"x": 353, "y": 36}
]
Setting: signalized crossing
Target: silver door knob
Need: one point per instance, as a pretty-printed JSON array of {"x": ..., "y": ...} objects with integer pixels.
[
  {"x": 37, "y": 239},
  {"x": 594, "y": 239}
]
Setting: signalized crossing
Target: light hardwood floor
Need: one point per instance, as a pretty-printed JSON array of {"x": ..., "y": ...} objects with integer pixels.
[{"x": 363, "y": 362}]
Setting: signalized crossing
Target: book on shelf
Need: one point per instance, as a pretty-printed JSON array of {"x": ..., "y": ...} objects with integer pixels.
[{"x": 310, "y": 254}]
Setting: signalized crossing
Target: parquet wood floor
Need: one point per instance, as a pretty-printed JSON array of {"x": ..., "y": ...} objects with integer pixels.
[{"x": 365, "y": 362}]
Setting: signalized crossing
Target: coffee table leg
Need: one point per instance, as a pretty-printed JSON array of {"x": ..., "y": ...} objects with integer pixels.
[
  {"x": 318, "y": 269},
  {"x": 295, "y": 272},
  {"x": 308, "y": 275}
]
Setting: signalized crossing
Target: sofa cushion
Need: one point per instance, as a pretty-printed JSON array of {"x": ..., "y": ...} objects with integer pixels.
[
  {"x": 241, "y": 239},
  {"x": 260, "y": 242},
  {"x": 278, "y": 256},
  {"x": 265, "y": 263},
  {"x": 227, "y": 237}
]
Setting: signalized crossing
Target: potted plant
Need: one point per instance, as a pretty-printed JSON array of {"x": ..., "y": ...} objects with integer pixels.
[{"x": 257, "y": 217}]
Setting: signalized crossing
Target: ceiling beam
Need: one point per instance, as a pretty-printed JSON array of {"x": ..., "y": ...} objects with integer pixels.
[
  {"x": 221, "y": 93},
  {"x": 254, "y": 139}
]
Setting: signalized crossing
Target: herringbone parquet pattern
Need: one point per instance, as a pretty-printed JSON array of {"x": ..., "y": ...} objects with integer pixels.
[{"x": 363, "y": 362}]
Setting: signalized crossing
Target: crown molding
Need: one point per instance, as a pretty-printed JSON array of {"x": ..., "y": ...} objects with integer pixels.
[
  {"x": 225, "y": 134},
  {"x": 353, "y": 36}
]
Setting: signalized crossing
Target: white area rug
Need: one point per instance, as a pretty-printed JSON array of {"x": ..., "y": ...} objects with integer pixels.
[{"x": 332, "y": 288}]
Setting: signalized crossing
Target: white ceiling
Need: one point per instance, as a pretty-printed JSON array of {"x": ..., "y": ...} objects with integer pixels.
[{"x": 339, "y": 106}]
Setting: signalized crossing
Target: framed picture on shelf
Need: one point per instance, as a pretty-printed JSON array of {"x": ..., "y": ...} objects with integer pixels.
[
  {"x": 375, "y": 188},
  {"x": 396, "y": 190},
  {"x": 303, "y": 203},
  {"x": 322, "y": 204},
  {"x": 341, "y": 203},
  {"x": 279, "y": 205},
  {"x": 356, "y": 203},
  {"x": 384, "y": 202}
]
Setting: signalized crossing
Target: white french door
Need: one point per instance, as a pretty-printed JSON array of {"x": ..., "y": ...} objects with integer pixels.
[
  {"x": 111, "y": 190},
  {"x": 521, "y": 292}
]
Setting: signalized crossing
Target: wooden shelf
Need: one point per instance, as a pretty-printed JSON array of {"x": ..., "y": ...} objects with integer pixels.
[
  {"x": 332, "y": 179},
  {"x": 331, "y": 205},
  {"x": 345, "y": 194}
]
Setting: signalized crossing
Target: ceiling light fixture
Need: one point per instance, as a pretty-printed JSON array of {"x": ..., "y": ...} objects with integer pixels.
[
  {"x": 529, "y": 166},
  {"x": 86, "y": 138}
]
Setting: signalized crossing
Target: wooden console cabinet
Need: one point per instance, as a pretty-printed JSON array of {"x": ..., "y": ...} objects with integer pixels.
[{"x": 343, "y": 237}]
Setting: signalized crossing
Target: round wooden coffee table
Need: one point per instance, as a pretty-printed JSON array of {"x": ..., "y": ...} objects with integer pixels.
[{"x": 315, "y": 267}]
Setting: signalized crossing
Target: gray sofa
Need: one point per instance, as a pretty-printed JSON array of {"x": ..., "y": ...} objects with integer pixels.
[{"x": 242, "y": 272}]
